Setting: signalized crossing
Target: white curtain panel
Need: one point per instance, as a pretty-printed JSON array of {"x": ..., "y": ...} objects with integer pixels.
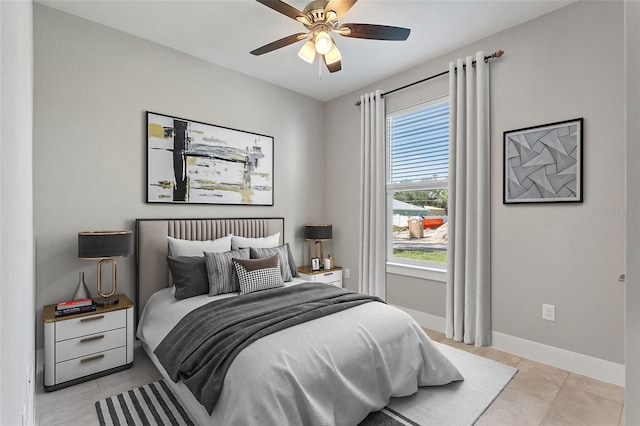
[
  {"x": 372, "y": 198},
  {"x": 468, "y": 296}
]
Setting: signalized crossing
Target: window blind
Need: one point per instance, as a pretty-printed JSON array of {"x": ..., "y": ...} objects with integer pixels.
[{"x": 419, "y": 145}]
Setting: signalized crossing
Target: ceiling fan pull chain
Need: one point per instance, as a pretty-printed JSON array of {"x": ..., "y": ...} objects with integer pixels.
[{"x": 320, "y": 68}]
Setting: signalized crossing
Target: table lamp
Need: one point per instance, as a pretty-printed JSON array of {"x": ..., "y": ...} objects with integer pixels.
[
  {"x": 105, "y": 246},
  {"x": 318, "y": 234}
]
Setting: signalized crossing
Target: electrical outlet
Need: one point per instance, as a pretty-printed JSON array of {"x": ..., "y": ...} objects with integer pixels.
[
  {"x": 548, "y": 312},
  {"x": 347, "y": 273}
]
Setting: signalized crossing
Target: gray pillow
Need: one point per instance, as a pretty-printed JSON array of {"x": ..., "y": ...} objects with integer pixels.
[
  {"x": 221, "y": 273},
  {"x": 283, "y": 255},
  {"x": 189, "y": 275},
  {"x": 258, "y": 274},
  {"x": 292, "y": 262}
]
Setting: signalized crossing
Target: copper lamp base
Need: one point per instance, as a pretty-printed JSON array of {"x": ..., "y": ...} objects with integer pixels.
[{"x": 108, "y": 298}]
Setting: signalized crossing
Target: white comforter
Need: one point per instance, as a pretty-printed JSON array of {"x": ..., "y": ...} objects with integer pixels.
[{"x": 333, "y": 370}]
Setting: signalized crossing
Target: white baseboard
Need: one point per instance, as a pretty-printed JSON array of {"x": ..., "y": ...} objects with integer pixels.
[
  {"x": 425, "y": 320},
  {"x": 585, "y": 365},
  {"x": 575, "y": 362}
]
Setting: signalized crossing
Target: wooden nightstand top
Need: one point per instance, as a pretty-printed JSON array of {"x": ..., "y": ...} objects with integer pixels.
[
  {"x": 49, "y": 311},
  {"x": 307, "y": 270}
]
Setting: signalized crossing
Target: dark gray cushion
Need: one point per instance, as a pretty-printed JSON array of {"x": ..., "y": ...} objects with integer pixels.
[
  {"x": 258, "y": 274},
  {"x": 189, "y": 275},
  {"x": 221, "y": 273}
]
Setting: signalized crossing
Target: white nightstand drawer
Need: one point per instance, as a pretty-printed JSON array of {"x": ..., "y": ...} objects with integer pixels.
[
  {"x": 90, "y": 364},
  {"x": 328, "y": 277},
  {"x": 92, "y": 324},
  {"x": 85, "y": 345}
]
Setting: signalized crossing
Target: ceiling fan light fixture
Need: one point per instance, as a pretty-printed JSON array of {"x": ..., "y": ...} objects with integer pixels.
[
  {"x": 332, "y": 56},
  {"x": 323, "y": 42},
  {"x": 307, "y": 52}
]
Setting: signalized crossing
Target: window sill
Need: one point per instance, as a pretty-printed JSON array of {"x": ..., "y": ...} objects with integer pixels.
[{"x": 431, "y": 274}]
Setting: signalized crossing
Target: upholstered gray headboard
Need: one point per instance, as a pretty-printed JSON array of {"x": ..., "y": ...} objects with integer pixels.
[{"x": 152, "y": 272}]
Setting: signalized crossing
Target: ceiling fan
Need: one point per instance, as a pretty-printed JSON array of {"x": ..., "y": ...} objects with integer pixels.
[{"x": 320, "y": 18}]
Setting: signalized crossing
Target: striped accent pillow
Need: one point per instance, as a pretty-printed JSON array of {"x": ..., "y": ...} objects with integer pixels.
[
  {"x": 258, "y": 274},
  {"x": 222, "y": 276},
  {"x": 283, "y": 256}
]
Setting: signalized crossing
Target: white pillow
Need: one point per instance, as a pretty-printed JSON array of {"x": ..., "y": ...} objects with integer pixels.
[
  {"x": 179, "y": 247},
  {"x": 264, "y": 242}
]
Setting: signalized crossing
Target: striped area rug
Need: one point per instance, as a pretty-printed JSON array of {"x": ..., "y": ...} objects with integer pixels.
[
  {"x": 149, "y": 404},
  {"x": 387, "y": 417}
]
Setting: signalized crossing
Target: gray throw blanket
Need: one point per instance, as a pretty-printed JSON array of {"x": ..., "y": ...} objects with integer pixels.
[{"x": 201, "y": 347}]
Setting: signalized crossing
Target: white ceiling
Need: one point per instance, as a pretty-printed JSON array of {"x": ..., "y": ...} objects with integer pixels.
[{"x": 225, "y": 31}]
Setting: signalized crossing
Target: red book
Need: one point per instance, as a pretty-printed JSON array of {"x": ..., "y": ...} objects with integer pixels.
[{"x": 73, "y": 304}]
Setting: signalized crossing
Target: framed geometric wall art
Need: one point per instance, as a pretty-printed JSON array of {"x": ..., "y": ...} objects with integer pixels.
[
  {"x": 543, "y": 164},
  {"x": 190, "y": 162}
]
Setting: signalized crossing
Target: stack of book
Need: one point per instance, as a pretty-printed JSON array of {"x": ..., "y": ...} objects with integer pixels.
[{"x": 73, "y": 307}]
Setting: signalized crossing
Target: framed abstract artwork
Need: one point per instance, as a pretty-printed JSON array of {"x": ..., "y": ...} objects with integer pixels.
[
  {"x": 543, "y": 164},
  {"x": 190, "y": 162}
]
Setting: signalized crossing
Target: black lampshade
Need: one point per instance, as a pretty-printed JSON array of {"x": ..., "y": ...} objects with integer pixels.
[
  {"x": 105, "y": 244},
  {"x": 318, "y": 232}
]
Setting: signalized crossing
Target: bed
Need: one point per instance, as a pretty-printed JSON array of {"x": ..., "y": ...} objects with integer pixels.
[{"x": 331, "y": 370}]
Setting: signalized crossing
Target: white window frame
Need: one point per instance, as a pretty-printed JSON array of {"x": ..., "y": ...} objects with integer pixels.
[{"x": 395, "y": 265}]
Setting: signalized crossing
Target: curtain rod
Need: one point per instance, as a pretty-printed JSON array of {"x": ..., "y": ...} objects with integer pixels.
[{"x": 496, "y": 54}]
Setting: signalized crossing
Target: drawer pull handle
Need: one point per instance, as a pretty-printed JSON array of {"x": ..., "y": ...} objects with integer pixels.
[
  {"x": 328, "y": 273},
  {"x": 91, "y": 339},
  {"x": 93, "y": 358},
  {"x": 93, "y": 318}
]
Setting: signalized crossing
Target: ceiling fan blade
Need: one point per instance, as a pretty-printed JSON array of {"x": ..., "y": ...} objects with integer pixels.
[
  {"x": 333, "y": 58},
  {"x": 279, "y": 43},
  {"x": 334, "y": 67},
  {"x": 374, "y": 32},
  {"x": 285, "y": 9},
  {"x": 340, "y": 7}
]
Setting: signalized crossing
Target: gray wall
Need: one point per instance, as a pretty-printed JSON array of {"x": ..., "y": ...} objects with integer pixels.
[
  {"x": 92, "y": 88},
  {"x": 17, "y": 278},
  {"x": 563, "y": 65},
  {"x": 632, "y": 89}
]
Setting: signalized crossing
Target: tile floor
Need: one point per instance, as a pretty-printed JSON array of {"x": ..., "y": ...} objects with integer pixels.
[
  {"x": 538, "y": 394},
  {"x": 541, "y": 395}
]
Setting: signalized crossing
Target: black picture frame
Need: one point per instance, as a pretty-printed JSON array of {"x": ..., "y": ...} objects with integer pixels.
[
  {"x": 543, "y": 164},
  {"x": 191, "y": 162}
]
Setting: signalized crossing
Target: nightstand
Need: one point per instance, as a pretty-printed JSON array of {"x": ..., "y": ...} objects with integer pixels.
[
  {"x": 331, "y": 276},
  {"x": 82, "y": 347}
]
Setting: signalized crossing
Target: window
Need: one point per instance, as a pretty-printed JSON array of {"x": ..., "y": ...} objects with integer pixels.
[{"x": 417, "y": 181}]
